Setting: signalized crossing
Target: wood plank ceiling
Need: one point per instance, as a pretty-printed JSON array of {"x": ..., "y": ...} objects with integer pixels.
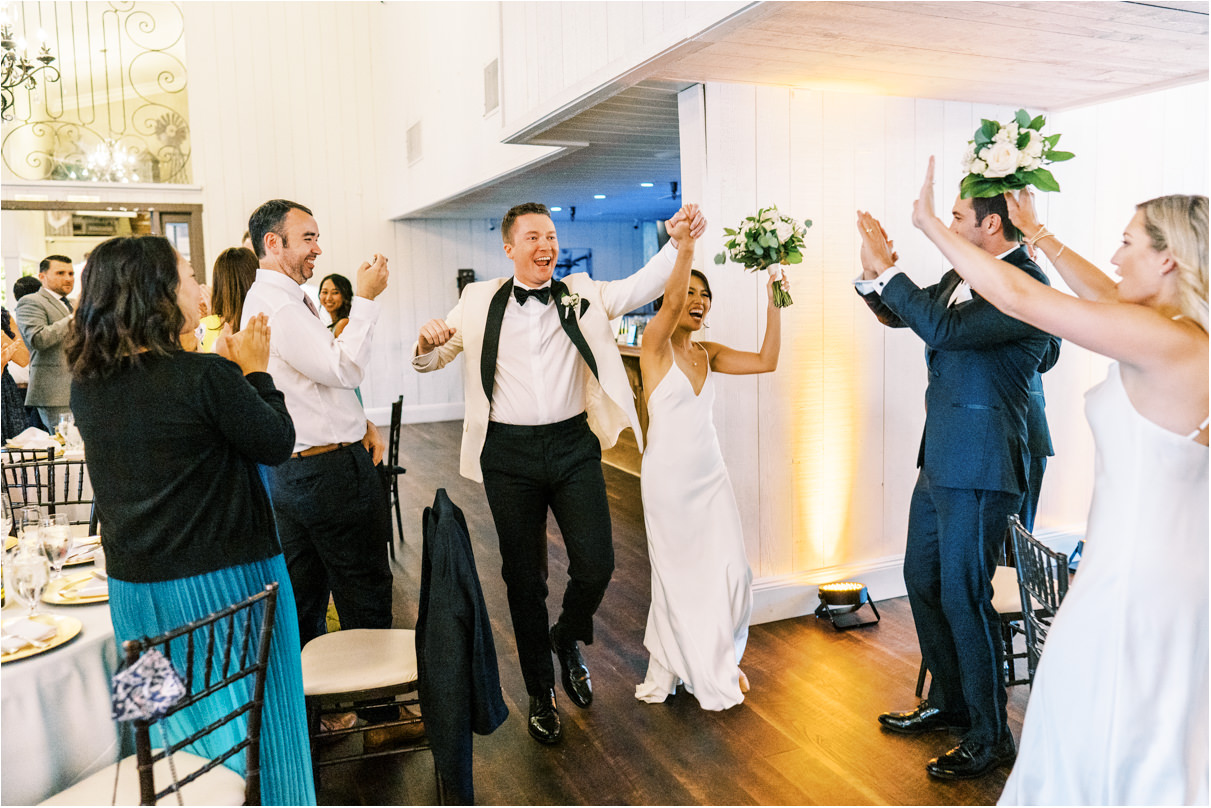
[{"x": 1043, "y": 55}]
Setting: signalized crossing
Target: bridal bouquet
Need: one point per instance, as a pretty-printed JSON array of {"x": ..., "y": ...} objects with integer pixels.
[
  {"x": 1006, "y": 157},
  {"x": 767, "y": 240}
]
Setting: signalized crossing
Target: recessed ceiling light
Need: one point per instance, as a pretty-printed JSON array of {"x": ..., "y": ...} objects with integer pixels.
[
  {"x": 556, "y": 209},
  {"x": 599, "y": 196},
  {"x": 646, "y": 184}
]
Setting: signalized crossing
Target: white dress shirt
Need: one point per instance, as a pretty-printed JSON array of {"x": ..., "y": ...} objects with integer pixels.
[
  {"x": 315, "y": 372},
  {"x": 539, "y": 372}
]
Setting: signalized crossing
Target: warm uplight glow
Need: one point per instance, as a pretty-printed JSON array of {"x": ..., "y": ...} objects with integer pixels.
[{"x": 821, "y": 417}]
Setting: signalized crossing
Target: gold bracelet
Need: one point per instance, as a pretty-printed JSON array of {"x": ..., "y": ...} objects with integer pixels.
[{"x": 1042, "y": 233}]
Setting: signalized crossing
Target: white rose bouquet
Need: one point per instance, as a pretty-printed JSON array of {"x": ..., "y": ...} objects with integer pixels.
[
  {"x": 767, "y": 240},
  {"x": 1006, "y": 157}
]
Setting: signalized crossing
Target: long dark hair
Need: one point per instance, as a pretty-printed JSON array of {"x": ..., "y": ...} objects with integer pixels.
[
  {"x": 234, "y": 273},
  {"x": 658, "y": 302},
  {"x": 346, "y": 289},
  {"x": 128, "y": 306}
]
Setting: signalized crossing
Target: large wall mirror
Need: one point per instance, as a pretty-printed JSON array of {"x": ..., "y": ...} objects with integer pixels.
[{"x": 32, "y": 230}]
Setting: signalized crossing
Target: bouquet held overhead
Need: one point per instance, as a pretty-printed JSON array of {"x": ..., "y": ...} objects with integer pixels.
[
  {"x": 767, "y": 240},
  {"x": 1008, "y": 157}
]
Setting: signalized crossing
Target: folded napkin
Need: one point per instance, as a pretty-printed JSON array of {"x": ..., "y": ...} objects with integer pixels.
[
  {"x": 96, "y": 585},
  {"x": 78, "y": 553},
  {"x": 33, "y": 438},
  {"x": 22, "y": 632}
]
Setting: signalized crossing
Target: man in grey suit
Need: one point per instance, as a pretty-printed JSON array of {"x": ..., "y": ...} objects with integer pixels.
[{"x": 43, "y": 318}]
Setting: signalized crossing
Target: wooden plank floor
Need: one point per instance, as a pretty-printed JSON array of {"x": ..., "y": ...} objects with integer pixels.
[{"x": 805, "y": 735}]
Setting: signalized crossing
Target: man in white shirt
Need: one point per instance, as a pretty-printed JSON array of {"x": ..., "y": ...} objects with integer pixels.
[
  {"x": 328, "y": 499},
  {"x": 545, "y": 391}
]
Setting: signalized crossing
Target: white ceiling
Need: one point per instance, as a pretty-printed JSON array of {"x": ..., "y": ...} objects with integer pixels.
[{"x": 1042, "y": 55}]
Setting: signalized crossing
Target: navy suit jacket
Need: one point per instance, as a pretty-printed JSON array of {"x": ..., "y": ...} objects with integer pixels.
[
  {"x": 459, "y": 681},
  {"x": 980, "y": 363}
]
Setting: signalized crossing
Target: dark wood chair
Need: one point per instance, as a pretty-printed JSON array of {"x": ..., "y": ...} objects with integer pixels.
[
  {"x": 392, "y": 469},
  {"x": 363, "y": 670},
  {"x": 1042, "y": 586},
  {"x": 225, "y": 652},
  {"x": 36, "y": 478}
]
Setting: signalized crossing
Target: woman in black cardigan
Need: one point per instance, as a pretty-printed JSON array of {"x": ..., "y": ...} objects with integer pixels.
[{"x": 173, "y": 441}]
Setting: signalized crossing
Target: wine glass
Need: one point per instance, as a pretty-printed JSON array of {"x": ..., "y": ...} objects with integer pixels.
[
  {"x": 6, "y": 516},
  {"x": 67, "y": 422},
  {"x": 29, "y": 524},
  {"x": 29, "y": 574},
  {"x": 55, "y": 533}
]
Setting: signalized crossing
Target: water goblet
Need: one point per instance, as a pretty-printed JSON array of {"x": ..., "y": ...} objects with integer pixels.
[
  {"x": 29, "y": 574},
  {"x": 6, "y": 516},
  {"x": 67, "y": 423},
  {"x": 29, "y": 523},
  {"x": 55, "y": 533}
]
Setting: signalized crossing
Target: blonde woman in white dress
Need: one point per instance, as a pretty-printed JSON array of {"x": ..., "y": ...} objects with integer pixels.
[
  {"x": 697, "y": 625},
  {"x": 1118, "y": 709}
]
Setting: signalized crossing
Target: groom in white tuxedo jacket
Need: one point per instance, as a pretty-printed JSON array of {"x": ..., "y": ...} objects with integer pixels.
[{"x": 545, "y": 390}]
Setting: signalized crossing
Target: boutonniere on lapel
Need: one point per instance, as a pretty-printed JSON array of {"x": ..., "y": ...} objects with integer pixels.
[{"x": 571, "y": 301}]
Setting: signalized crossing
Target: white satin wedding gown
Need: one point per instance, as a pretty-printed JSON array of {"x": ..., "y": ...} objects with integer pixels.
[
  {"x": 701, "y": 583},
  {"x": 1118, "y": 711}
]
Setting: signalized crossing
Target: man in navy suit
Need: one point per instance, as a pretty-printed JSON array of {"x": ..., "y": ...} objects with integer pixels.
[{"x": 973, "y": 465}]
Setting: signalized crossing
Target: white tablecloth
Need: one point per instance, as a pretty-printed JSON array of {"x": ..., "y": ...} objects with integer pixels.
[{"x": 55, "y": 727}]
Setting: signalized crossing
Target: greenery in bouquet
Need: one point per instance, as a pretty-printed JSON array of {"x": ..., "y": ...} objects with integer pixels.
[
  {"x": 766, "y": 240},
  {"x": 1006, "y": 157}
]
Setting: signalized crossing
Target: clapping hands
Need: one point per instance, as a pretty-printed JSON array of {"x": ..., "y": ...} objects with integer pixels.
[
  {"x": 877, "y": 254},
  {"x": 249, "y": 348}
]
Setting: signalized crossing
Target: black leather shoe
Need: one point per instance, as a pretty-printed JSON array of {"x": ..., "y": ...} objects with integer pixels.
[
  {"x": 925, "y": 718},
  {"x": 544, "y": 719},
  {"x": 572, "y": 671},
  {"x": 972, "y": 759}
]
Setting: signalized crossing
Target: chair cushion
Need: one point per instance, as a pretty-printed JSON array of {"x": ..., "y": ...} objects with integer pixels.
[
  {"x": 219, "y": 786},
  {"x": 1006, "y": 598},
  {"x": 359, "y": 659}
]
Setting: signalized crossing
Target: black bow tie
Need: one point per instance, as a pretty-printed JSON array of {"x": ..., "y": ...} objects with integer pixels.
[{"x": 542, "y": 295}]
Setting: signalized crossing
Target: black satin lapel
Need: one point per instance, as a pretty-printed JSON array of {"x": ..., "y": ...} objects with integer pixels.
[
  {"x": 487, "y": 358},
  {"x": 571, "y": 326}
]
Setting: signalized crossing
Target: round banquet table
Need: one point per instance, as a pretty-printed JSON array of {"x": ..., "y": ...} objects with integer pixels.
[{"x": 55, "y": 727}]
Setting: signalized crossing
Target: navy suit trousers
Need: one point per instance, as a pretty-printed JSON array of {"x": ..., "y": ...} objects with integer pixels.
[
  {"x": 334, "y": 525},
  {"x": 956, "y": 538}
]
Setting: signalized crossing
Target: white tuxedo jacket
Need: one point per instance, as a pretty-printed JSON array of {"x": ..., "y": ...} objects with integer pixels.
[{"x": 609, "y": 399}]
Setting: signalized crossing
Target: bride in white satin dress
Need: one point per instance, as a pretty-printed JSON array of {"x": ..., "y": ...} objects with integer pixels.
[
  {"x": 697, "y": 624},
  {"x": 1118, "y": 709}
]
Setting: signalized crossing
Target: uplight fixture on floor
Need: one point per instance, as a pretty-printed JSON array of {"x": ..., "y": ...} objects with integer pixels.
[{"x": 840, "y": 602}]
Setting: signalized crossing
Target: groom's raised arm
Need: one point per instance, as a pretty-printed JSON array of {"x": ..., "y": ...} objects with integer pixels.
[{"x": 644, "y": 286}]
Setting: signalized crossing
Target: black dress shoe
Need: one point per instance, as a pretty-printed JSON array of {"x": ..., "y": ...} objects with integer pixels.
[
  {"x": 544, "y": 719},
  {"x": 972, "y": 759},
  {"x": 572, "y": 671},
  {"x": 925, "y": 718}
]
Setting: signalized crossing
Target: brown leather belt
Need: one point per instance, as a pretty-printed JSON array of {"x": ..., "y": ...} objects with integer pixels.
[{"x": 318, "y": 450}]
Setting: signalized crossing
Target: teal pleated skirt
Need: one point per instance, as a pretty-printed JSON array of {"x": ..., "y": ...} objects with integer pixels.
[{"x": 148, "y": 609}]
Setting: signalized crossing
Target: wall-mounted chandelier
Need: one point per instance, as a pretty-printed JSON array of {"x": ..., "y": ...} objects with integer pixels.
[{"x": 19, "y": 71}]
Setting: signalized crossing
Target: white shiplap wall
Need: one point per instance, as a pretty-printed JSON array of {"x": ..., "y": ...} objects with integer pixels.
[
  {"x": 822, "y": 452},
  {"x": 274, "y": 114}
]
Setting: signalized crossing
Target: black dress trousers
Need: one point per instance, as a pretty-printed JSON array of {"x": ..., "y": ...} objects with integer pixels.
[{"x": 528, "y": 469}]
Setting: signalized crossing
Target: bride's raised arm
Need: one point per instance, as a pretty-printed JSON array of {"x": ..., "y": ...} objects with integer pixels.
[
  {"x": 1082, "y": 277},
  {"x": 656, "y": 351}
]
